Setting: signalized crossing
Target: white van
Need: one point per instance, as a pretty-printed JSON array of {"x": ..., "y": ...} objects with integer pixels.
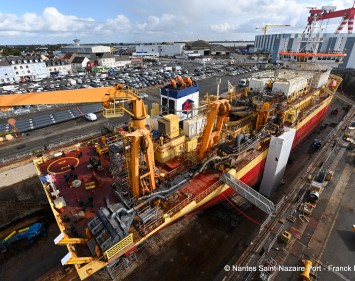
[{"x": 242, "y": 82}]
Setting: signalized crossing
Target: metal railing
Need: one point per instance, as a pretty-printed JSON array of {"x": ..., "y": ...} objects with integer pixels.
[
  {"x": 184, "y": 203},
  {"x": 34, "y": 151}
]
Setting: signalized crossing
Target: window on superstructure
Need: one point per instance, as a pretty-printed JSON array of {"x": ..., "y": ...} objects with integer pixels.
[
  {"x": 28, "y": 71},
  {"x": 16, "y": 72},
  {"x": 21, "y": 67},
  {"x": 171, "y": 106},
  {"x": 26, "y": 66},
  {"x": 15, "y": 67}
]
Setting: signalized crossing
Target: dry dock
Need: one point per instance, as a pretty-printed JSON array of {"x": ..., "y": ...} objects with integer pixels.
[{"x": 325, "y": 236}]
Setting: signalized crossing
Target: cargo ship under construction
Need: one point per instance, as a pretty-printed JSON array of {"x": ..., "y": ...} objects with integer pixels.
[{"x": 109, "y": 195}]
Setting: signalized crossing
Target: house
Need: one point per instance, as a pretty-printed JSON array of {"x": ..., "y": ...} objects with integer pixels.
[
  {"x": 122, "y": 61},
  {"x": 220, "y": 50},
  {"x": 58, "y": 67},
  {"x": 106, "y": 60},
  {"x": 68, "y": 57},
  {"x": 200, "y": 46},
  {"x": 79, "y": 63},
  {"x": 7, "y": 74},
  {"x": 28, "y": 67}
]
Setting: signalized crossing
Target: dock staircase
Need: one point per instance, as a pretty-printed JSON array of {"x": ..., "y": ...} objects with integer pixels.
[{"x": 248, "y": 193}]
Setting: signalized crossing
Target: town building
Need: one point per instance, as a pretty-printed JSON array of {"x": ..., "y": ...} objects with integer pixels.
[
  {"x": 91, "y": 52},
  {"x": 122, "y": 61},
  {"x": 106, "y": 60},
  {"x": 58, "y": 67},
  {"x": 20, "y": 68},
  {"x": 7, "y": 74},
  {"x": 79, "y": 63},
  {"x": 162, "y": 50}
]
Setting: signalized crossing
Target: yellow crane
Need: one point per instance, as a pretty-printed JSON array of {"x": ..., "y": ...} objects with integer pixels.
[{"x": 266, "y": 27}]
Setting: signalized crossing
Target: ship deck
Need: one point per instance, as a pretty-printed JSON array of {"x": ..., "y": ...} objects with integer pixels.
[{"x": 82, "y": 189}]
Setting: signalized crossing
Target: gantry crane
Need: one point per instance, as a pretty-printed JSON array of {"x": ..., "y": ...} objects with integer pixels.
[
  {"x": 328, "y": 12},
  {"x": 266, "y": 27}
]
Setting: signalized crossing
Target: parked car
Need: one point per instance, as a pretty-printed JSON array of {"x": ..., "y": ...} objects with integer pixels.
[
  {"x": 142, "y": 95},
  {"x": 90, "y": 116}
]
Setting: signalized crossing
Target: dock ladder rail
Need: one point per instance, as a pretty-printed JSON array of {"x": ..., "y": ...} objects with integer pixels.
[{"x": 248, "y": 193}]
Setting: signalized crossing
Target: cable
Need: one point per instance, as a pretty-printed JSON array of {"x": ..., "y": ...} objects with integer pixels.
[{"x": 254, "y": 221}]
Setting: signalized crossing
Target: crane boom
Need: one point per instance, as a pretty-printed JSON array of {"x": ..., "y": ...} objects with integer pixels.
[
  {"x": 266, "y": 27},
  {"x": 112, "y": 99},
  {"x": 54, "y": 97}
]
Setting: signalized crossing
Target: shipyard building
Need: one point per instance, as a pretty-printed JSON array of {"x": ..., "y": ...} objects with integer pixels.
[
  {"x": 160, "y": 50},
  {"x": 91, "y": 52},
  {"x": 274, "y": 43}
]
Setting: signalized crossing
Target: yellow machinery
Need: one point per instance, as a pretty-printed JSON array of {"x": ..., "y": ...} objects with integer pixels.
[
  {"x": 112, "y": 99},
  {"x": 101, "y": 147},
  {"x": 266, "y": 27},
  {"x": 305, "y": 275},
  {"x": 141, "y": 142},
  {"x": 285, "y": 237},
  {"x": 219, "y": 111},
  {"x": 139, "y": 156},
  {"x": 263, "y": 115}
]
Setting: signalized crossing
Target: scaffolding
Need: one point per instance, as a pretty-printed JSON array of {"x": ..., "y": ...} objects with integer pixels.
[{"x": 120, "y": 173}]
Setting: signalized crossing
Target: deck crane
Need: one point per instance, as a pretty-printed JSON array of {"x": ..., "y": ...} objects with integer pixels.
[
  {"x": 113, "y": 100},
  {"x": 328, "y": 12},
  {"x": 218, "y": 116},
  {"x": 266, "y": 27}
]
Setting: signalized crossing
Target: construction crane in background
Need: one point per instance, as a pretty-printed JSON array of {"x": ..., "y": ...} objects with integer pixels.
[
  {"x": 328, "y": 12},
  {"x": 266, "y": 27}
]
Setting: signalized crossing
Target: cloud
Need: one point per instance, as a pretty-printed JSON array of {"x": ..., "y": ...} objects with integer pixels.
[
  {"x": 222, "y": 28},
  {"x": 158, "y": 20}
]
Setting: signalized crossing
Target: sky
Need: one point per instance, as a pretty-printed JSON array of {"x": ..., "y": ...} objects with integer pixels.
[{"x": 139, "y": 21}]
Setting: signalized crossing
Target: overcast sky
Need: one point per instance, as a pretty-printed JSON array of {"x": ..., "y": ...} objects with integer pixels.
[{"x": 93, "y": 21}]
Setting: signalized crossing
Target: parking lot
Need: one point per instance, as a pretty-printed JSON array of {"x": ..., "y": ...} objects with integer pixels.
[{"x": 149, "y": 76}]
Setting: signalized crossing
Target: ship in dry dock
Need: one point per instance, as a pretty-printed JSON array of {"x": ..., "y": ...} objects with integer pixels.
[{"x": 110, "y": 195}]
